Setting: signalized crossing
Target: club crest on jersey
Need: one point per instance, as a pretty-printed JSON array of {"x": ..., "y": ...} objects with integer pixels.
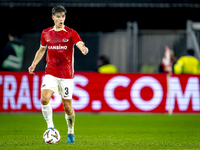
[{"x": 65, "y": 40}]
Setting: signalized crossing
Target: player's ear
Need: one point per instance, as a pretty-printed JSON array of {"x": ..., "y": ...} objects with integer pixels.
[{"x": 52, "y": 17}]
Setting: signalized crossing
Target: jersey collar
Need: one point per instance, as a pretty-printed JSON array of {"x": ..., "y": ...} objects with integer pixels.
[{"x": 60, "y": 30}]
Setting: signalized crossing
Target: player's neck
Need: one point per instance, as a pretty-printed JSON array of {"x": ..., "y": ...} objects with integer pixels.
[{"x": 58, "y": 28}]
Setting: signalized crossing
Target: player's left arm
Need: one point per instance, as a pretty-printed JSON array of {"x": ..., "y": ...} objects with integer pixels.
[
  {"x": 82, "y": 47},
  {"x": 79, "y": 43}
]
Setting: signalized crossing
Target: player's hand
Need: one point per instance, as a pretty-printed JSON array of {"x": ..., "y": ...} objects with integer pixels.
[
  {"x": 31, "y": 69},
  {"x": 85, "y": 50}
]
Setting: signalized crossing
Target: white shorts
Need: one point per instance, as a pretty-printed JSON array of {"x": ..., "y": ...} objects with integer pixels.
[{"x": 59, "y": 85}]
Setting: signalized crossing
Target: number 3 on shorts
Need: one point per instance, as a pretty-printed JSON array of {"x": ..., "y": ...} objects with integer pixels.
[{"x": 66, "y": 90}]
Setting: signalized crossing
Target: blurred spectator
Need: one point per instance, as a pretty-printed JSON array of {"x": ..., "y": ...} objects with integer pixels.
[
  {"x": 168, "y": 61},
  {"x": 11, "y": 57},
  {"x": 187, "y": 64},
  {"x": 104, "y": 65},
  {"x": 149, "y": 67}
]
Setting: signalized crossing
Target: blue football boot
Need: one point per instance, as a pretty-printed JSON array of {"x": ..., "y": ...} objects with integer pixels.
[{"x": 71, "y": 138}]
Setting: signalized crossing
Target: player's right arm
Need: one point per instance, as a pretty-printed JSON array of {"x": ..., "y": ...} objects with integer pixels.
[{"x": 38, "y": 56}]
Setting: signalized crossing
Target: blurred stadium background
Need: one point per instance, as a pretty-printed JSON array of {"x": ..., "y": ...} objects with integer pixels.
[{"x": 131, "y": 32}]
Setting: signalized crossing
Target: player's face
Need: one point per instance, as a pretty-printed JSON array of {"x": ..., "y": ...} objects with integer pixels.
[{"x": 59, "y": 19}]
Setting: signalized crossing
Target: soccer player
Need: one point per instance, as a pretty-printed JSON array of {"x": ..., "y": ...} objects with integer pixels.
[{"x": 59, "y": 41}]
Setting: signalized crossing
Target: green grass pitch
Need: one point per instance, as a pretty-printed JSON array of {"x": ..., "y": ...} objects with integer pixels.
[{"x": 103, "y": 132}]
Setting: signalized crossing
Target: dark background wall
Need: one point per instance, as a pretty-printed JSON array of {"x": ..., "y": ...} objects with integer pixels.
[{"x": 28, "y": 16}]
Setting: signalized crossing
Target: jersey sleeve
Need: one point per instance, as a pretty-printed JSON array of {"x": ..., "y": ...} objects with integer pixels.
[
  {"x": 42, "y": 41},
  {"x": 75, "y": 37}
]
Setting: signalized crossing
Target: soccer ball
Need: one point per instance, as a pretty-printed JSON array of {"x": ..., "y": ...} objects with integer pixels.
[{"x": 51, "y": 136}]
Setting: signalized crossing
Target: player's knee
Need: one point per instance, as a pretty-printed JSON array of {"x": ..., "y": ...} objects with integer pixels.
[
  {"x": 45, "y": 96},
  {"x": 67, "y": 106},
  {"x": 44, "y": 101}
]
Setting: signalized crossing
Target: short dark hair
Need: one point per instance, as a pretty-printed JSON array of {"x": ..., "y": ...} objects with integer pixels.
[
  {"x": 13, "y": 33},
  {"x": 104, "y": 59},
  {"x": 58, "y": 9},
  {"x": 190, "y": 51}
]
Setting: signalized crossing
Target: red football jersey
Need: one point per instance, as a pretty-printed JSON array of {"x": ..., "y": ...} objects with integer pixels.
[{"x": 60, "y": 51}]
